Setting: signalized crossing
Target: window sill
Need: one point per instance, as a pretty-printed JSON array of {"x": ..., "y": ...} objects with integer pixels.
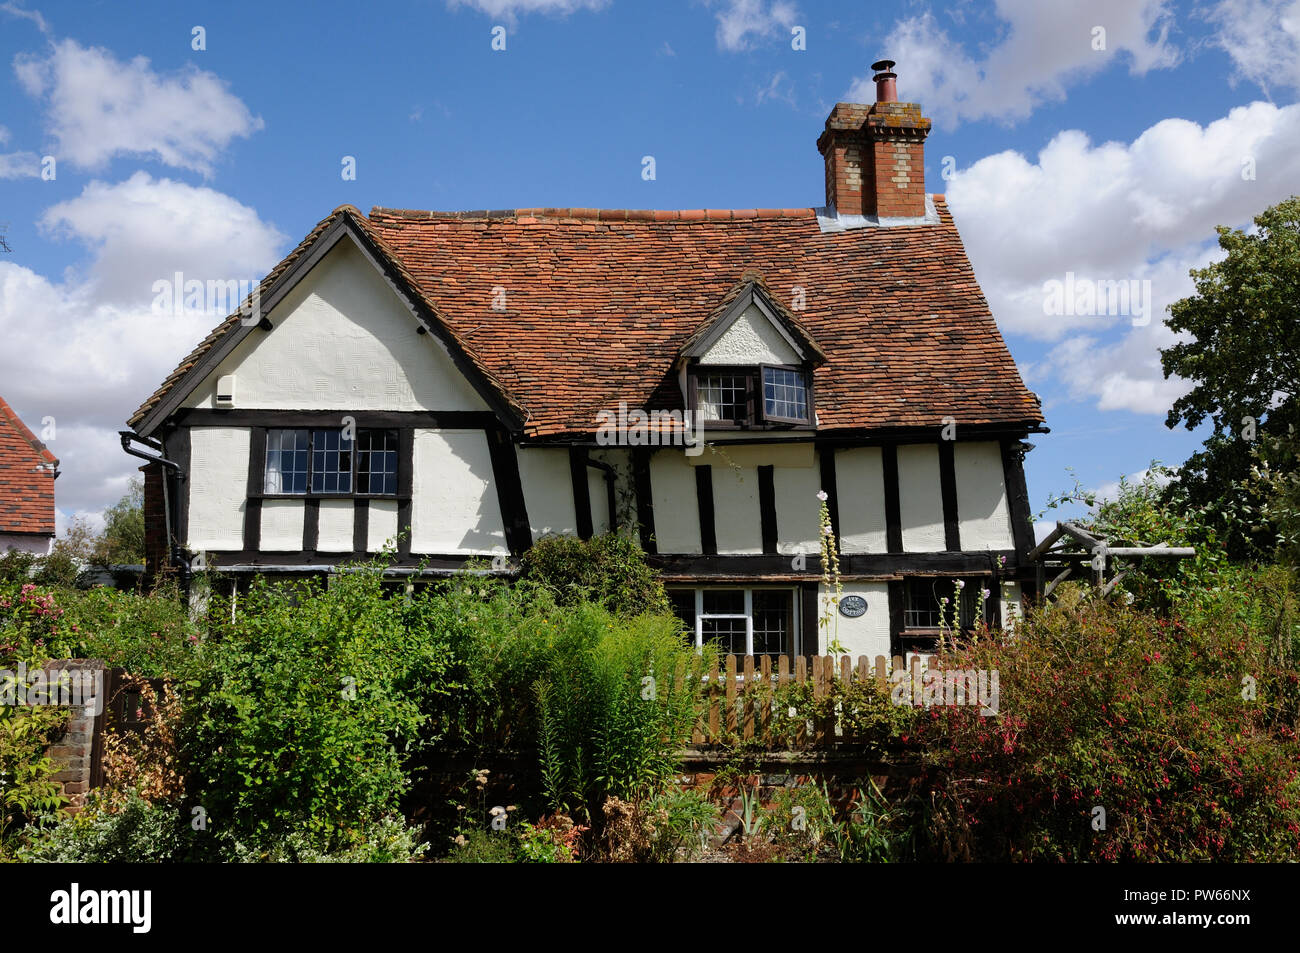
[{"x": 326, "y": 496}]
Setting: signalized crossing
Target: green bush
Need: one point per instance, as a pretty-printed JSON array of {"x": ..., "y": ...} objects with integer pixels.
[
  {"x": 610, "y": 570},
  {"x": 309, "y": 708},
  {"x": 151, "y": 636},
  {"x": 126, "y": 830},
  {"x": 616, "y": 702},
  {"x": 1178, "y": 731}
]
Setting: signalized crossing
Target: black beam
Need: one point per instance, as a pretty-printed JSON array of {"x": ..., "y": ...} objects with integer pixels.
[
  {"x": 948, "y": 493},
  {"x": 893, "y": 507},
  {"x": 704, "y": 499},
  {"x": 767, "y": 507},
  {"x": 581, "y": 490},
  {"x": 645, "y": 512}
]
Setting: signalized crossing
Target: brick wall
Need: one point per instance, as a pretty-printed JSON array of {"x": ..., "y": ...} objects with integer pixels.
[{"x": 76, "y": 752}]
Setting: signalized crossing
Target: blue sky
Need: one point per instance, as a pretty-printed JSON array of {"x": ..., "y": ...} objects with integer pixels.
[{"x": 1113, "y": 163}]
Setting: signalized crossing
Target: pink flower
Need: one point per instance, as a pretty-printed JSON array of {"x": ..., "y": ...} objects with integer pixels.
[
  {"x": 194, "y": 640},
  {"x": 821, "y": 495}
]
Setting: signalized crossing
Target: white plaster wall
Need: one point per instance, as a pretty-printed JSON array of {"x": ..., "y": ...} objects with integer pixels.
[
  {"x": 797, "y": 507},
  {"x": 860, "y": 483},
  {"x": 599, "y": 497},
  {"x": 867, "y": 634},
  {"x": 751, "y": 339},
  {"x": 25, "y": 543},
  {"x": 737, "y": 516},
  {"x": 677, "y": 515},
  {"x": 454, "y": 507},
  {"x": 920, "y": 498},
  {"x": 381, "y": 524},
  {"x": 982, "y": 497},
  {"x": 334, "y": 527},
  {"x": 342, "y": 339},
  {"x": 282, "y": 524},
  {"x": 218, "y": 485},
  {"x": 548, "y": 491}
]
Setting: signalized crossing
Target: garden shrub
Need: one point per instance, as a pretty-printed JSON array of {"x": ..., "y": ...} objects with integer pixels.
[
  {"x": 309, "y": 708},
  {"x": 616, "y": 702},
  {"x": 1147, "y": 718},
  {"x": 31, "y": 622},
  {"x": 610, "y": 570},
  {"x": 117, "y": 829}
]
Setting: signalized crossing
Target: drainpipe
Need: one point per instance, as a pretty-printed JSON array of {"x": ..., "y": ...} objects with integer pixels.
[{"x": 178, "y": 557}]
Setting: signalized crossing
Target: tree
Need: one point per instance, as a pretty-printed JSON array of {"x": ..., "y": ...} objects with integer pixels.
[
  {"x": 123, "y": 538},
  {"x": 1243, "y": 359}
]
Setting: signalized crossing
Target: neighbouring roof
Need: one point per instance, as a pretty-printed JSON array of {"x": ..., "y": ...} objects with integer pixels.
[
  {"x": 600, "y": 302},
  {"x": 27, "y": 471}
]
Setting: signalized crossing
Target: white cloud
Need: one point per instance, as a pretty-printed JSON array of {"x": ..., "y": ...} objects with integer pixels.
[
  {"x": 1047, "y": 44},
  {"x": 1263, "y": 39},
  {"x": 743, "y": 23},
  {"x": 145, "y": 229},
  {"x": 1143, "y": 211},
  {"x": 33, "y": 16},
  {"x": 87, "y": 358},
  {"x": 17, "y": 165},
  {"x": 98, "y": 107},
  {"x": 1110, "y": 489},
  {"x": 508, "y": 10}
]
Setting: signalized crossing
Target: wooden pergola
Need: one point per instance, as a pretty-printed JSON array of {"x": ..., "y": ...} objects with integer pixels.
[{"x": 1058, "y": 554}]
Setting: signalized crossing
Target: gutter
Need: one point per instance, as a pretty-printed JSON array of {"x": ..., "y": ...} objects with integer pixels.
[{"x": 177, "y": 556}]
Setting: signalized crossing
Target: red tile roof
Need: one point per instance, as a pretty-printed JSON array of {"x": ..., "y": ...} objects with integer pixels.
[
  {"x": 26, "y": 478},
  {"x": 600, "y": 301}
]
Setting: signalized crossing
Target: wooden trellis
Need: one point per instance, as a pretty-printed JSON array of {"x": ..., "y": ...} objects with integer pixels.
[{"x": 1058, "y": 556}]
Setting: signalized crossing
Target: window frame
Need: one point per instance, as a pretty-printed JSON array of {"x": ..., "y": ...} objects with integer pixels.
[
  {"x": 795, "y": 634},
  {"x": 756, "y": 404},
  {"x": 352, "y": 493},
  {"x": 915, "y": 634}
]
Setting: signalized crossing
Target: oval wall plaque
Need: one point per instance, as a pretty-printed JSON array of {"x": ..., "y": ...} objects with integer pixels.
[{"x": 853, "y": 606}]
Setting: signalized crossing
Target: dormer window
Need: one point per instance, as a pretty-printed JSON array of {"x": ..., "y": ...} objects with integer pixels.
[
  {"x": 750, "y": 364},
  {"x": 785, "y": 395},
  {"x": 751, "y": 396}
]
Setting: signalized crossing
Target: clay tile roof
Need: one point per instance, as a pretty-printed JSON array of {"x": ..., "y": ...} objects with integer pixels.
[
  {"x": 27, "y": 471},
  {"x": 599, "y": 303}
]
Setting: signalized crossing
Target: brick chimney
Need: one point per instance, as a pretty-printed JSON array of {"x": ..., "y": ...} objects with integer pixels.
[{"x": 875, "y": 155}]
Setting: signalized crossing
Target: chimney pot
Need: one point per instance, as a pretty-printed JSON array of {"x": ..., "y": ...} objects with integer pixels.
[{"x": 886, "y": 81}]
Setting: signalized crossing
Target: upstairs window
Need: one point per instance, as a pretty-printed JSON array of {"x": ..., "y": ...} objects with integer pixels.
[
  {"x": 751, "y": 396},
  {"x": 785, "y": 395},
  {"x": 325, "y": 462}
]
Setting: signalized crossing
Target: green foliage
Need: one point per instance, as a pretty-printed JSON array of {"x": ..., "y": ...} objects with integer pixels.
[
  {"x": 309, "y": 707},
  {"x": 123, "y": 538},
  {"x": 151, "y": 636},
  {"x": 482, "y": 846},
  {"x": 1241, "y": 348},
  {"x": 617, "y": 700},
  {"x": 610, "y": 570},
  {"x": 123, "y": 830},
  {"x": 1148, "y": 718}
]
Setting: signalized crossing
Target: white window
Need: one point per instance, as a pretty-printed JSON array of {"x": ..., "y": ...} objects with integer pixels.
[{"x": 740, "y": 621}]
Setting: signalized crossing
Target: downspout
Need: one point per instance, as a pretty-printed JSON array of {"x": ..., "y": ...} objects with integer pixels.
[{"x": 178, "y": 557}]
